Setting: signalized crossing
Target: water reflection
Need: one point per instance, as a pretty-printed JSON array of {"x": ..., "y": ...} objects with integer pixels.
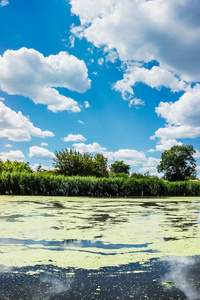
[
  {"x": 184, "y": 275},
  {"x": 132, "y": 281},
  {"x": 71, "y": 248}
]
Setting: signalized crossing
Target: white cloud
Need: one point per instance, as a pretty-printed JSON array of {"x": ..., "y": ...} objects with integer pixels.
[
  {"x": 150, "y": 165},
  {"x": 44, "y": 144},
  {"x": 91, "y": 148},
  {"x": 72, "y": 41},
  {"x": 34, "y": 167},
  {"x": 112, "y": 56},
  {"x": 135, "y": 101},
  {"x": 182, "y": 116},
  {"x": 178, "y": 132},
  {"x": 2, "y": 99},
  {"x": 140, "y": 30},
  {"x": 74, "y": 138},
  {"x": 8, "y": 146},
  {"x": 165, "y": 145},
  {"x": 40, "y": 152},
  {"x": 4, "y": 2},
  {"x": 28, "y": 73},
  {"x": 155, "y": 78},
  {"x": 17, "y": 127},
  {"x": 196, "y": 154},
  {"x": 81, "y": 122},
  {"x": 151, "y": 162},
  {"x": 129, "y": 156},
  {"x": 87, "y": 104},
  {"x": 12, "y": 155},
  {"x": 100, "y": 61},
  {"x": 151, "y": 170}
]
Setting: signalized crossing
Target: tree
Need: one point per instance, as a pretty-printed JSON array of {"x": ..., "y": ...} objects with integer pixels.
[
  {"x": 15, "y": 166},
  {"x": 72, "y": 163},
  {"x": 178, "y": 163},
  {"x": 100, "y": 165},
  {"x": 120, "y": 167}
]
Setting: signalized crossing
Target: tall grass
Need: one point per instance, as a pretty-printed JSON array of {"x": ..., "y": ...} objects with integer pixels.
[{"x": 50, "y": 185}]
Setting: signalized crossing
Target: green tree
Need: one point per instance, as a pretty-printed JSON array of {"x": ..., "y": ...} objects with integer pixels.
[
  {"x": 68, "y": 162},
  {"x": 72, "y": 163},
  {"x": 178, "y": 163},
  {"x": 100, "y": 165},
  {"x": 15, "y": 166},
  {"x": 120, "y": 167}
]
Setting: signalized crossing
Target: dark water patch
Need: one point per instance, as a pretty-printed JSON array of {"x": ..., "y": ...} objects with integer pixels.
[
  {"x": 58, "y": 205},
  {"x": 14, "y": 218},
  {"x": 153, "y": 281}
]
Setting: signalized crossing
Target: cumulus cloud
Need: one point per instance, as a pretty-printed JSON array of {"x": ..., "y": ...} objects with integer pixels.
[
  {"x": 40, "y": 152},
  {"x": 8, "y": 146},
  {"x": 44, "y": 144},
  {"x": 156, "y": 77},
  {"x": 182, "y": 116},
  {"x": 129, "y": 156},
  {"x": 28, "y": 73},
  {"x": 74, "y": 138},
  {"x": 35, "y": 166},
  {"x": 100, "y": 61},
  {"x": 140, "y": 30},
  {"x": 91, "y": 148},
  {"x": 87, "y": 104},
  {"x": 150, "y": 165},
  {"x": 196, "y": 154},
  {"x": 12, "y": 155},
  {"x": 151, "y": 170},
  {"x": 17, "y": 127},
  {"x": 165, "y": 145},
  {"x": 4, "y": 2}
]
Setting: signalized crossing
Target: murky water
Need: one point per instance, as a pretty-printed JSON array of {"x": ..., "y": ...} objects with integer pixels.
[{"x": 81, "y": 248}]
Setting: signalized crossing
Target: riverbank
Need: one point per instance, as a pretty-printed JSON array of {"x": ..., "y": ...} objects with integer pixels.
[{"x": 51, "y": 185}]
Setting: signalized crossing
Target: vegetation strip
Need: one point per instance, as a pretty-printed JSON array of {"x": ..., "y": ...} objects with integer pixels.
[{"x": 16, "y": 183}]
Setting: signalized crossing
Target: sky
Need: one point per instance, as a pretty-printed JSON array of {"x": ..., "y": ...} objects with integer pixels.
[{"x": 118, "y": 77}]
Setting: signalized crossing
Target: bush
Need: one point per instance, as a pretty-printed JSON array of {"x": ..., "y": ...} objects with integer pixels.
[{"x": 50, "y": 185}]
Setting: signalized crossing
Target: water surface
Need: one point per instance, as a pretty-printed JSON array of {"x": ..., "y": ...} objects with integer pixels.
[{"x": 85, "y": 248}]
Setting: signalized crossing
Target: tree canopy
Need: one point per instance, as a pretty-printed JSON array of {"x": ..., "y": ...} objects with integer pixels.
[
  {"x": 69, "y": 162},
  {"x": 15, "y": 166},
  {"x": 178, "y": 163},
  {"x": 120, "y": 167}
]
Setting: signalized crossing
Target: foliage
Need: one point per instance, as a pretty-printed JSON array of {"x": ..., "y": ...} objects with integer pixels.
[
  {"x": 120, "y": 167},
  {"x": 178, "y": 163},
  {"x": 139, "y": 175},
  {"x": 15, "y": 166},
  {"x": 18, "y": 183},
  {"x": 73, "y": 163},
  {"x": 118, "y": 175}
]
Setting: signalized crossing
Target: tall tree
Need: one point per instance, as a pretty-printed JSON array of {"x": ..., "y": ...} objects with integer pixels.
[
  {"x": 178, "y": 163},
  {"x": 69, "y": 162},
  {"x": 120, "y": 167},
  {"x": 100, "y": 165},
  {"x": 15, "y": 166}
]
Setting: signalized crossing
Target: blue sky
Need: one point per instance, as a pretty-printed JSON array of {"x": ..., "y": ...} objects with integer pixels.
[{"x": 109, "y": 76}]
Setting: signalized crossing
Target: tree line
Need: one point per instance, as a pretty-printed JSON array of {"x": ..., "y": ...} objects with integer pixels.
[{"x": 177, "y": 164}]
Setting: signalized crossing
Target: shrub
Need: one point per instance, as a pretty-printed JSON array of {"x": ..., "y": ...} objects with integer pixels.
[{"x": 15, "y": 183}]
